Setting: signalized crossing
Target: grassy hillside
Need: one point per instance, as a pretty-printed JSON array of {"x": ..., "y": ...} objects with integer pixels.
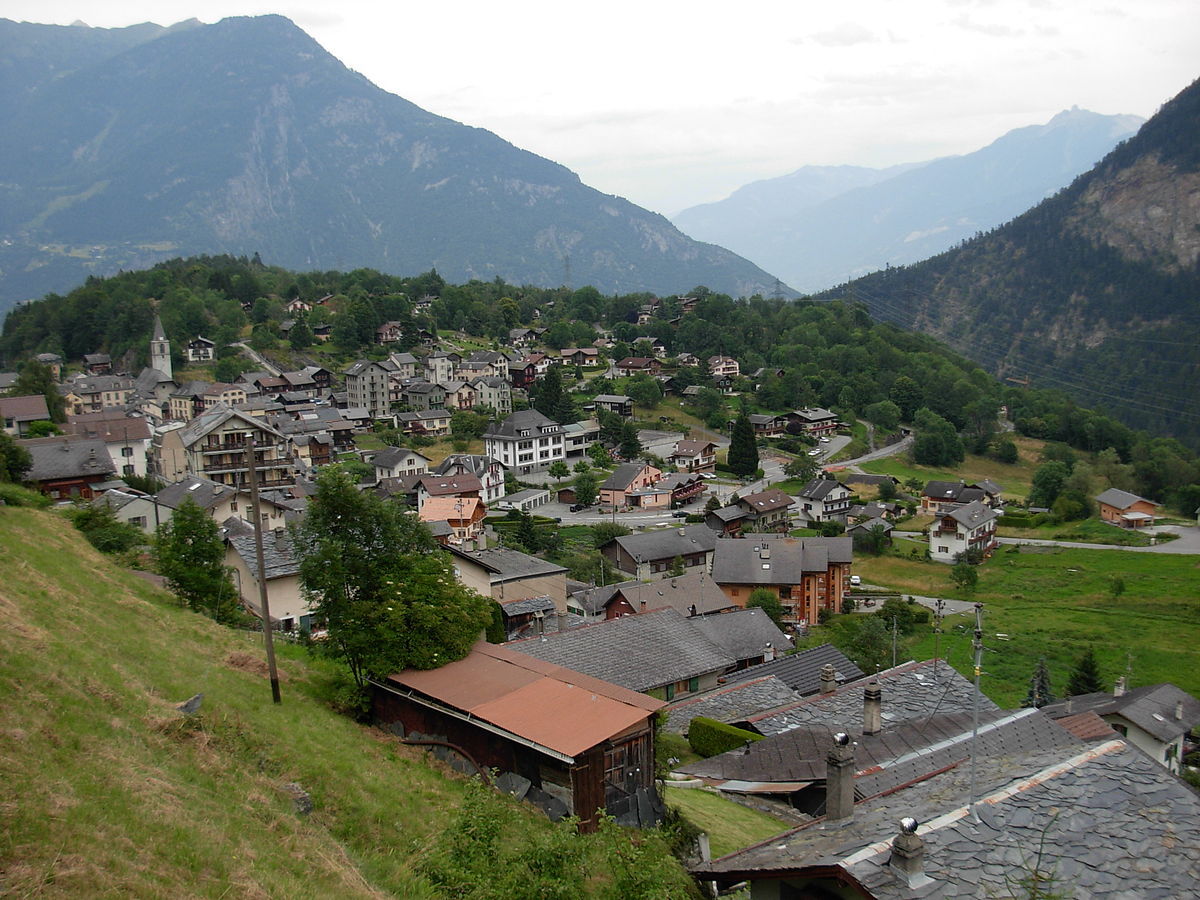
[{"x": 106, "y": 790}]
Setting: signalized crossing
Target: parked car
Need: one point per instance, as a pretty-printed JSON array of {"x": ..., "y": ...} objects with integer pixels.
[
  {"x": 855, "y": 580},
  {"x": 824, "y": 440},
  {"x": 816, "y": 452},
  {"x": 576, "y": 507},
  {"x": 680, "y": 514}
]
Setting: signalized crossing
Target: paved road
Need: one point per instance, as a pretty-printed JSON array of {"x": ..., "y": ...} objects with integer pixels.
[
  {"x": 882, "y": 453},
  {"x": 1187, "y": 543},
  {"x": 258, "y": 358}
]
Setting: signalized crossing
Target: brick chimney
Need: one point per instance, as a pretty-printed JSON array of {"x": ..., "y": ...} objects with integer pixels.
[
  {"x": 828, "y": 679},
  {"x": 908, "y": 855},
  {"x": 839, "y": 781},
  {"x": 872, "y": 708}
]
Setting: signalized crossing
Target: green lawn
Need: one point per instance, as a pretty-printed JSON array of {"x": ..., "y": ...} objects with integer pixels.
[
  {"x": 730, "y": 825},
  {"x": 1056, "y": 602},
  {"x": 1014, "y": 479},
  {"x": 1090, "y": 531}
]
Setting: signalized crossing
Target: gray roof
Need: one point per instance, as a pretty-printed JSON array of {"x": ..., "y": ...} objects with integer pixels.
[
  {"x": 204, "y": 493},
  {"x": 1106, "y": 822},
  {"x": 749, "y": 561},
  {"x": 743, "y": 633},
  {"x": 668, "y": 543},
  {"x": 679, "y": 592},
  {"x": 526, "y": 419},
  {"x": 1151, "y": 708},
  {"x": 868, "y": 524},
  {"x": 730, "y": 702},
  {"x": 954, "y": 491},
  {"x": 909, "y": 691},
  {"x": 278, "y": 557},
  {"x": 820, "y": 488},
  {"x": 801, "y": 672},
  {"x": 527, "y": 605},
  {"x": 506, "y": 565},
  {"x": 217, "y": 417},
  {"x": 612, "y": 398},
  {"x": 973, "y": 514},
  {"x": 728, "y": 514},
  {"x": 57, "y": 457},
  {"x": 1120, "y": 499},
  {"x": 390, "y": 456},
  {"x": 621, "y": 477},
  {"x": 636, "y": 652}
]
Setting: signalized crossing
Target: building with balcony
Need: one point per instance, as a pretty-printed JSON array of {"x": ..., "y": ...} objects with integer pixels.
[{"x": 213, "y": 446}]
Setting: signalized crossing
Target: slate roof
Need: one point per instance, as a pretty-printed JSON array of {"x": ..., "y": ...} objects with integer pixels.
[
  {"x": 692, "y": 448},
  {"x": 450, "y": 485},
  {"x": 743, "y": 633},
  {"x": 58, "y": 457},
  {"x": 679, "y": 593},
  {"x": 667, "y": 543},
  {"x": 526, "y": 419},
  {"x": 868, "y": 524},
  {"x": 215, "y": 418},
  {"x": 909, "y": 691},
  {"x": 621, "y": 477},
  {"x": 30, "y": 408},
  {"x": 820, "y": 488},
  {"x": 506, "y": 564},
  {"x": 766, "y": 501},
  {"x": 204, "y": 493},
  {"x": 728, "y": 514},
  {"x": 526, "y": 606},
  {"x": 784, "y": 561},
  {"x": 636, "y": 652},
  {"x": 801, "y": 672},
  {"x": 953, "y": 491},
  {"x": 278, "y": 556},
  {"x": 973, "y": 514},
  {"x": 1102, "y": 817},
  {"x": 1121, "y": 499},
  {"x": 730, "y": 703},
  {"x": 1151, "y": 708}
]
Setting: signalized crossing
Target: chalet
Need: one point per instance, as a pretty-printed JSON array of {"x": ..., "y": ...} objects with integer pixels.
[
  {"x": 290, "y": 609},
  {"x": 824, "y": 500},
  {"x": 389, "y": 333},
  {"x": 723, "y": 367},
  {"x": 18, "y": 413},
  {"x": 638, "y": 365},
  {"x": 214, "y": 445},
  {"x": 433, "y": 422},
  {"x": 688, "y": 359},
  {"x": 525, "y": 442},
  {"x": 961, "y": 530},
  {"x": 67, "y": 469},
  {"x": 464, "y": 516},
  {"x": 684, "y": 487},
  {"x": 615, "y": 403},
  {"x": 1126, "y": 509},
  {"x": 943, "y": 496},
  {"x": 92, "y": 394},
  {"x": 522, "y": 338},
  {"x": 489, "y": 472},
  {"x": 694, "y": 456},
  {"x": 580, "y": 356},
  {"x": 201, "y": 349},
  {"x": 655, "y": 346},
  {"x": 811, "y": 421},
  {"x": 97, "y": 364},
  {"x": 654, "y": 552},
  {"x": 508, "y": 576},
  {"x": 767, "y": 510},
  {"x": 728, "y": 521},
  {"x": 625, "y": 485},
  {"x": 807, "y": 574},
  {"x": 766, "y": 426},
  {"x": 575, "y": 745},
  {"x": 692, "y": 594},
  {"x": 453, "y": 486},
  {"x": 296, "y": 305},
  {"x": 128, "y": 438}
]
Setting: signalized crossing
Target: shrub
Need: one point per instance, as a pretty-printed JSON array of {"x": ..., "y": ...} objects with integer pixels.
[
  {"x": 709, "y": 737},
  {"x": 15, "y": 495}
]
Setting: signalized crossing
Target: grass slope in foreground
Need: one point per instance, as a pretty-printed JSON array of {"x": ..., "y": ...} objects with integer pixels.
[{"x": 105, "y": 790}]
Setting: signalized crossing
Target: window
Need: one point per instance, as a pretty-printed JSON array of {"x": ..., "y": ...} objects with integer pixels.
[
  {"x": 694, "y": 683},
  {"x": 943, "y": 549},
  {"x": 127, "y": 451},
  {"x": 670, "y": 691}
]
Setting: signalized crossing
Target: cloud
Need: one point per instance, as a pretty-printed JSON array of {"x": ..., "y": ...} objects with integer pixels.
[
  {"x": 991, "y": 29},
  {"x": 847, "y": 34}
]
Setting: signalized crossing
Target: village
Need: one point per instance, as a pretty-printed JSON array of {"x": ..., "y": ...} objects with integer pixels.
[{"x": 695, "y": 581}]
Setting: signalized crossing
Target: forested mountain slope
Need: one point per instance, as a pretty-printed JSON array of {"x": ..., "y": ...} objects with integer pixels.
[
  {"x": 123, "y": 148},
  {"x": 1095, "y": 291}
]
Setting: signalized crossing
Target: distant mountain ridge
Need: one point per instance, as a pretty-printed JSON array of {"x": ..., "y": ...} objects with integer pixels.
[
  {"x": 1095, "y": 291},
  {"x": 124, "y": 147},
  {"x": 906, "y": 213}
]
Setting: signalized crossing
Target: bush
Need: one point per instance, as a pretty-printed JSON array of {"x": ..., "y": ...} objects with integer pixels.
[
  {"x": 709, "y": 737},
  {"x": 15, "y": 495}
]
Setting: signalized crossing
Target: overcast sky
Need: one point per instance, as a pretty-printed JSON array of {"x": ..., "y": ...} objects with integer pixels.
[{"x": 671, "y": 104}]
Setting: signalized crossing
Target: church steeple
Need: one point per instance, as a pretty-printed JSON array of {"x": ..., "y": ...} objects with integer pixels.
[{"x": 160, "y": 349}]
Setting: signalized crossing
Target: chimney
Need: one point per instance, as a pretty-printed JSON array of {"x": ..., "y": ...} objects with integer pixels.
[
  {"x": 1178, "y": 709},
  {"x": 872, "y": 708},
  {"x": 1119, "y": 690},
  {"x": 769, "y": 654},
  {"x": 839, "y": 781},
  {"x": 908, "y": 855},
  {"x": 828, "y": 678}
]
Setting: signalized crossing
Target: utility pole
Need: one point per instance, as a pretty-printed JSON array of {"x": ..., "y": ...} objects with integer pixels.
[
  {"x": 893, "y": 642},
  {"x": 268, "y": 639},
  {"x": 978, "y": 645}
]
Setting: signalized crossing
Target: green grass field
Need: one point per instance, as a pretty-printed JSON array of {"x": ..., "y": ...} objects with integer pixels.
[
  {"x": 1015, "y": 479},
  {"x": 730, "y": 825},
  {"x": 1057, "y": 602}
]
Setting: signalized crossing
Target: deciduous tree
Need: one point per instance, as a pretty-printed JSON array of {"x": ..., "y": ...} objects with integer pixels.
[{"x": 191, "y": 557}]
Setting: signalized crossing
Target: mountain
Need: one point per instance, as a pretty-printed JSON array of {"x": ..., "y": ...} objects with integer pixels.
[
  {"x": 1095, "y": 291},
  {"x": 125, "y": 147},
  {"x": 906, "y": 213}
]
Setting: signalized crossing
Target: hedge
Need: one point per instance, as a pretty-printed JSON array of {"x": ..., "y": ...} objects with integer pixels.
[{"x": 709, "y": 737}]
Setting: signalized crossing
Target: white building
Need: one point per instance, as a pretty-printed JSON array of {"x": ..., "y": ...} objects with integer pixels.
[{"x": 526, "y": 441}]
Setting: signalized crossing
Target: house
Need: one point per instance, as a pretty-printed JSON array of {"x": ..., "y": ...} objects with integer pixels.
[
  {"x": 806, "y": 574},
  {"x": 659, "y": 653},
  {"x": 464, "y": 515},
  {"x": 403, "y": 365},
  {"x": 92, "y": 394},
  {"x": 68, "y": 468},
  {"x": 508, "y": 576},
  {"x": 1155, "y": 718},
  {"x": 201, "y": 349},
  {"x": 389, "y": 332},
  {"x": 943, "y": 496},
  {"x": 441, "y": 366},
  {"x": 18, "y": 413},
  {"x": 928, "y": 825},
  {"x": 433, "y": 422},
  {"x": 691, "y": 594},
  {"x": 682, "y": 487},
  {"x": 573, "y": 744},
  {"x": 767, "y": 510},
  {"x": 458, "y": 395},
  {"x": 766, "y": 426},
  {"x": 959, "y": 531},
  {"x": 747, "y": 635},
  {"x": 51, "y": 361},
  {"x": 214, "y": 445},
  {"x": 525, "y": 442},
  {"x": 296, "y": 305},
  {"x": 824, "y": 500},
  {"x": 728, "y": 521},
  {"x": 493, "y": 392},
  {"x": 580, "y": 356},
  {"x": 290, "y": 609},
  {"x": 654, "y": 552},
  {"x": 1126, "y": 509},
  {"x": 820, "y": 669},
  {"x": 97, "y": 363},
  {"x": 638, "y": 365},
  {"x": 489, "y": 472},
  {"x": 813, "y": 421},
  {"x": 421, "y": 396},
  {"x": 128, "y": 438},
  {"x": 615, "y": 403},
  {"x": 622, "y": 487},
  {"x": 694, "y": 456},
  {"x": 867, "y": 526},
  {"x": 723, "y": 367},
  {"x": 465, "y": 485},
  {"x": 579, "y": 436},
  {"x": 220, "y": 501}
]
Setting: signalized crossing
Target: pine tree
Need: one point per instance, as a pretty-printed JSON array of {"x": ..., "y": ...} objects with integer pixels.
[
  {"x": 1040, "y": 693},
  {"x": 1085, "y": 677},
  {"x": 743, "y": 451}
]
